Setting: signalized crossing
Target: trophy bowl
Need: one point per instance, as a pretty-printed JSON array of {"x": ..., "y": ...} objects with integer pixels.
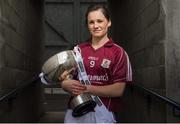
[
  {"x": 59, "y": 64},
  {"x": 60, "y": 67}
]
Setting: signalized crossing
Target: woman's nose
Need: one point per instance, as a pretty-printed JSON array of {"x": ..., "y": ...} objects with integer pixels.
[{"x": 95, "y": 25}]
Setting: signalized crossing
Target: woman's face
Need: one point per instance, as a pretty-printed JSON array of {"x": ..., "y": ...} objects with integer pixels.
[{"x": 98, "y": 24}]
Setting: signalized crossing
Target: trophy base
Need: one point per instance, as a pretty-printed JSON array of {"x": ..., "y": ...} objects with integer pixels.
[{"x": 84, "y": 108}]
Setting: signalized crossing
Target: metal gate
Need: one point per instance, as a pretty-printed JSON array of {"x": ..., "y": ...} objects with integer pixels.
[{"x": 65, "y": 24}]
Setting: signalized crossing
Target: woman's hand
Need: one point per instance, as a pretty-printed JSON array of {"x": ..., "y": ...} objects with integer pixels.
[
  {"x": 74, "y": 87},
  {"x": 66, "y": 74}
]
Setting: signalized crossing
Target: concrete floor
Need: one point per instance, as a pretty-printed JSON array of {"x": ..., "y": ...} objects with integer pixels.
[
  {"x": 52, "y": 117},
  {"x": 55, "y": 105}
]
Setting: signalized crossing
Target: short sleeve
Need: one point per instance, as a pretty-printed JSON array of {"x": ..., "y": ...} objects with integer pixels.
[{"x": 122, "y": 71}]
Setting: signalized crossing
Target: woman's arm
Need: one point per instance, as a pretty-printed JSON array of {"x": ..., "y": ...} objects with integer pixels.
[
  {"x": 112, "y": 90},
  {"x": 74, "y": 87}
]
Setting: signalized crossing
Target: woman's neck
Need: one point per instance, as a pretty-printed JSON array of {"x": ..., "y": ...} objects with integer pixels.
[{"x": 99, "y": 42}]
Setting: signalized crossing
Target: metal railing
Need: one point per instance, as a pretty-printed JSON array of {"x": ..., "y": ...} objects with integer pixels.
[
  {"x": 174, "y": 104},
  {"x": 13, "y": 92}
]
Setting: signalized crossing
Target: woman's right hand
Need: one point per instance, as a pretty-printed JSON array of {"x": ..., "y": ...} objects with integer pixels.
[{"x": 74, "y": 87}]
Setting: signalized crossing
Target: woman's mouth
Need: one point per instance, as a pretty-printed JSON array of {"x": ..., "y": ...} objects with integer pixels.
[{"x": 97, "y": 30}]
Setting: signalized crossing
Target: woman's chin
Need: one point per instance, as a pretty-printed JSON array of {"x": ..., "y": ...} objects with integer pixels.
[{"x": 97, "y": 35}]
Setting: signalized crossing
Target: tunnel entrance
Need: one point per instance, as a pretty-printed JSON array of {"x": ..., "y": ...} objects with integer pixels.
[{"x": 147, "y": 29}]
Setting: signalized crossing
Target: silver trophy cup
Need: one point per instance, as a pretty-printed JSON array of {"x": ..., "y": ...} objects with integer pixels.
[{"x": 61, "y": 67}]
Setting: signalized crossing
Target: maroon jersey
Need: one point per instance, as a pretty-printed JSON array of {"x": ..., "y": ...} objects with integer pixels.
[{"x": 106, "y": 65}]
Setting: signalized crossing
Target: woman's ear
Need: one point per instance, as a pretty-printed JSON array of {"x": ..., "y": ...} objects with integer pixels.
[{"x": 109, "y": 23}]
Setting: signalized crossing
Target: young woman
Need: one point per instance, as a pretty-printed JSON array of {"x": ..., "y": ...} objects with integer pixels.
[{"x": 107, "y": 66}]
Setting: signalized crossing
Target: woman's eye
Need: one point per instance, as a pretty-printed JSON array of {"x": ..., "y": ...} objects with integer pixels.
[
  {"x": 99, "y": 21},
  {"x": 91, "y": 22}
]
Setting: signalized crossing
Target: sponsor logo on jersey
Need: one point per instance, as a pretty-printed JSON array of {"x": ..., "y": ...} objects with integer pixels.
[{"x": 98, "y": 77}]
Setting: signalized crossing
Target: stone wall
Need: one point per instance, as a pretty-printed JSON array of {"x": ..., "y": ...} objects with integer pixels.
[
  {"x": 139, "y": 28},
  {"x": 148, "y": 30},
  {"x": 172, "y": 52},
  {"x": 21, "y": 34}
]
